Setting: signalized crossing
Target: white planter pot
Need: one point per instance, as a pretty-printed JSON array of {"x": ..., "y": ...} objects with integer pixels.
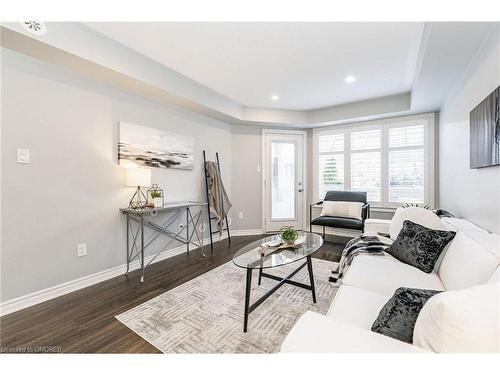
[{"x": 158, "y": 202}]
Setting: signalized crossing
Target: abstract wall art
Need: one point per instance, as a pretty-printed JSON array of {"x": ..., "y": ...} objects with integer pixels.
[
  {"x": 142, "y": 146},
  {"x": 485, "y": 132}
]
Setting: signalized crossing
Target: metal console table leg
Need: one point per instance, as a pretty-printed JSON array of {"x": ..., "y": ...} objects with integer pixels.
[
  {"x": 142, "y": 249},
  {"x": 136, "y": 220}
]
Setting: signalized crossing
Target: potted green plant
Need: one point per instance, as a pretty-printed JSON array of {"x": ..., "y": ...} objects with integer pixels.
[
  {"x": 156, "y": 196},
  {"x": 288, "y": 235}
]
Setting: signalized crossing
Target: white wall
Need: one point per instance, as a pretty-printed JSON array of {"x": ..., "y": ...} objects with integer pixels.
[
  {"x": 246, "y": 181},
  {"x": 72, "y": 190},
  {"x": 470, "y": 193}
]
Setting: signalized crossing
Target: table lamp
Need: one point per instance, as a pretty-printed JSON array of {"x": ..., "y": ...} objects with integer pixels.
[{"x": 138, "y": 177}]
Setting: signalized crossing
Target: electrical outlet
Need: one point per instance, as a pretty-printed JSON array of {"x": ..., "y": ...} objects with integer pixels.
[
  {"x": 23, "y": 156},
  {"x": 81, "y": 249},
  {"x": 258, "y": 169},
  {"x": 240, "y": 215}
]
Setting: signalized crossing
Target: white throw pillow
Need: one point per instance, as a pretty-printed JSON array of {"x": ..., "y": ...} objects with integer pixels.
[
  {"x": 463, "y": 321},
  {"x": 466, "y": 263},
  {"x": 417, "y": 215},
  {"x": 342, "y": 209}
]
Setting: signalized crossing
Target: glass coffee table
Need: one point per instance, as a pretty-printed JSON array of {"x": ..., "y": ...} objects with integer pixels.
[{"x": 250, "y": 258}]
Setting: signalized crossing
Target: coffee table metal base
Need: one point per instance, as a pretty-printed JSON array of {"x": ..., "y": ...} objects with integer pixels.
[{"x": 286, "y": 280}]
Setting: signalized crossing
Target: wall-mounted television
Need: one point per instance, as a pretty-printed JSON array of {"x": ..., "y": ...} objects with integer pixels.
[{"x": 485, "y": 132}]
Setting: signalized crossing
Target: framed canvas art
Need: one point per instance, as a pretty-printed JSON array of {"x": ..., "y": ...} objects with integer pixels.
[
  {"x": 142, "y": 146},
  {"x": 485, "y": 132}
]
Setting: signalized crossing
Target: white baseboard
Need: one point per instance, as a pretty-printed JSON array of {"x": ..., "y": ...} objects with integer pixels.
[
  {"x": 43, "y": 295},
  {"x": 247, "y": 232}
]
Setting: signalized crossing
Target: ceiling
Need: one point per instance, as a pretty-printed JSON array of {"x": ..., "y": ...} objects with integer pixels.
[
  {"x": 230, "y": 71},
  {"x": 305, "y": 64}
]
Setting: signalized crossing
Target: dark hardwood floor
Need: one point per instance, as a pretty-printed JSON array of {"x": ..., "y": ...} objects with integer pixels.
[{"x": 84, "y": 321}]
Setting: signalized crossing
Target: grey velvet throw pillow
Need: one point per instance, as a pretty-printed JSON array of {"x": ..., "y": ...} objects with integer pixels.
[
  {"x": 419, "y": 246},
  {"x": 398, "y": 316}
]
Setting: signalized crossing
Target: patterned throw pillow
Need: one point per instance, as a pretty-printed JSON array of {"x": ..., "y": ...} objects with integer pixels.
[
  {"x": 419, "y": 246},
  {"x": 398, "y": 316}
]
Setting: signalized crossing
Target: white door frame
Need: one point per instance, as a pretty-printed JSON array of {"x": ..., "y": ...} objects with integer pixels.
[{"x": 303, "y": 133}]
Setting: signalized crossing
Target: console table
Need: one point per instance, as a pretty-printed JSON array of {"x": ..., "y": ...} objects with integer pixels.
[{"x": 189, "y": 211}]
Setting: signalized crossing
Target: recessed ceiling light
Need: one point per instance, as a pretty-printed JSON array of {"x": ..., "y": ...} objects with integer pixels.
[
  {"x": 275, "y": 98},
  {"x": 350, "y": 79},
  {"x": 35, "y": 27}
]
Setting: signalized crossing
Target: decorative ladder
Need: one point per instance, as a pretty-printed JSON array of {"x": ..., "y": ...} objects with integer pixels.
[{"x": 210, "y": 217}]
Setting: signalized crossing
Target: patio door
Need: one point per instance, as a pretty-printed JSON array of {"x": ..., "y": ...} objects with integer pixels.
[{"x": 284, "y": 190}]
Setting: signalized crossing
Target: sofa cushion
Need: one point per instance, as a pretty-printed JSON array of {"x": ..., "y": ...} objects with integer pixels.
[
  {"x": 465, "y": 320},
  {"x": 338, "y": 222},
  {"x": 466, "y": 263},
  {"x": 495, "y": 277},
  {"x": 385, "y": 274},
  {"x": 315, "y": 333},
  {"x": 419, "y": 246},
  {"x": 342, "y": 209},
  {"x": 398, "y": 316},
  {"x": 418, "y": 215},
  {"x": 356, "y": 306},
  {"x": 489, "y": 241},
  {"x": 462, "y": 225},
  {"x": 374, "y": 226}
]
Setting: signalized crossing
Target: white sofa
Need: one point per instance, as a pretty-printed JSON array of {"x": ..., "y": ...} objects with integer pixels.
[{"x": 472, "y": 258}]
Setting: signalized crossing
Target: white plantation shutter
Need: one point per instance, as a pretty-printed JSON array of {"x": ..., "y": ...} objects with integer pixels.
[
  {"x": 391, "y": 161},
  {"x": 407, "y": 164},
  {"x": 331, "y": 173},
  {"x": 331, "y": 163},
  {"x": 366, "y": 163},
  {"x": 331, "y": 143}
]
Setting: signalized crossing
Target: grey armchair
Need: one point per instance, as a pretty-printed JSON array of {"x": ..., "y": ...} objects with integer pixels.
[{"x": 341, "y": 222}]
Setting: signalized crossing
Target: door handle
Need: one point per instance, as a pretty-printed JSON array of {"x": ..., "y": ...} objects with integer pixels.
[{"x": 300, "y": 190}]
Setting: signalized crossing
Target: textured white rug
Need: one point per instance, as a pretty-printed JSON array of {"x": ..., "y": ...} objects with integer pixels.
[{"x": 205, "y": 315}]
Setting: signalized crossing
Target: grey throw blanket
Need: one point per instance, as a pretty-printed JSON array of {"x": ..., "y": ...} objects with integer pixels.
[
  {"x": 373, "y": 245},
  {"x": 217, "y": 196}
]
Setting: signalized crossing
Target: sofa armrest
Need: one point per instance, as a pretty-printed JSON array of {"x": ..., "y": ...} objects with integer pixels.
[
  {"x": 316, "y": 333},
  {"x": 376, "y": 226}
]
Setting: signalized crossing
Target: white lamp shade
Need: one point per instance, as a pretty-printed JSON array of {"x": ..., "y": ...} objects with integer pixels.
[{"x": 138, "y": 177}]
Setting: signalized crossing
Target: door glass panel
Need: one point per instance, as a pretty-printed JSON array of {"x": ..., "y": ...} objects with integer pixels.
[{"x": 282, "y": 180}]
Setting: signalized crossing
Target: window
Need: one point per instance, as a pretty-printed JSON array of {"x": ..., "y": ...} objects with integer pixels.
[
  {"x": 365, "y": 163},
  {"x": 283, "y": 180},
  {"x": 331, "y": 163},
  {"x": 390, "y": 160},
  {"x": 407, "y": 164}
]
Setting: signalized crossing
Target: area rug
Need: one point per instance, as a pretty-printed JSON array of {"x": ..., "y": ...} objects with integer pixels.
[{"x": 205, "y": 315}]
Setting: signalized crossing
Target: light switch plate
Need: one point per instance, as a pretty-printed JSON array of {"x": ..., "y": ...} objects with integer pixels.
[{"x": 23, "y": 156}]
